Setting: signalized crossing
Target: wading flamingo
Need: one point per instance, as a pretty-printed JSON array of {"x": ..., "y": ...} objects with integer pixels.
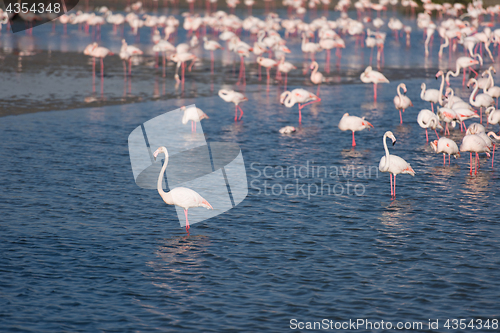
[
  {"x": 428, "y": 119},
  {"x": 473, "y": 143},
  {"x": 493, "y": 115},
  {"x": 232, "y": 96},
  {"x": 179, "y": 196},
  {"x": 462, "y": 63},
  {"x": 393, "y": 164},
  {"x": 211, "y": 45},
  {"x": 194, "y": 115},
  {"x": 316, "y": 77},
  {"x": 496, "y": 137},
  {"x": 371, "y": 76},
  {"x": 300, "y": 96},
  {"x": 285, "y": 67},
  {"x": 268, "y": 64},
  {"x": 433, "y": 95},
  {"x": 401, "y": 102},
  {"x": 481, "y": 100},
  {"x": 353, "y": 123},
  {"x": 127, "y": 52},
  {"x": 445, "y": 146}
]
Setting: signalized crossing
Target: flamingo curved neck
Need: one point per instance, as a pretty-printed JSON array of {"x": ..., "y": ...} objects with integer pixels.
[
  {"x": 441, "y": 90},
  {"x": 386, "y": 165},
  {"x": 315, "y": 69},
  {"x": 471, "y": 100},
  {"x": 159, "y": 184},
  {"x": 422, "y": 93},
  {"x": 399, "y": 92}
]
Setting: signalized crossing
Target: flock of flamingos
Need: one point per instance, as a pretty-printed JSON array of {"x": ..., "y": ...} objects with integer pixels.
[{"x": 467, "y": 29}]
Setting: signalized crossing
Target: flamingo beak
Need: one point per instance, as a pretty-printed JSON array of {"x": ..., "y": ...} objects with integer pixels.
[
  {"x": 393, "y": 142},
  {"x": 156, "y": 154}
]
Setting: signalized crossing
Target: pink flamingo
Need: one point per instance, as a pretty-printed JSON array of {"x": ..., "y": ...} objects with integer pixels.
[
  {"x": 445, "y": 146},
  {"x": 428, "y": 119},
  {"x": 316, "y": 77},
  {"x": 496, "y": 137},
  {"x": 402, "y": 102},
  {"x": 481, "y": 100},
  {"x": 232, "y": 96},
  {"x": 353, "y": 123},
  {"x": 462, "y": 63},
  {"x": 371, "y": 76},
  {"x": 473, "y": 143},
  {"x": 211, "y": 45},
  {"x": 268, "y": 64},
  {"x": 300, "y": 96},
  {"x": 127, "y": 52},
  {"x": 96, "y": 51},
  {"x": 181, "y": 59},
  {"x": 194, "y": 115},
  {"x": 179, "y": 196},
  {"x": 285, "y": 67},
  {"x": 393, "y": 164}
]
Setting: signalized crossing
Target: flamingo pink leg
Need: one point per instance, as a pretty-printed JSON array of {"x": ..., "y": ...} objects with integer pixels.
[
  {"x": 235, "y": 112},
  {"x": 400, "y": 117},
  {"x": 470, "y": 172},
  {"x": 392, "y": 192},
  {"x": 436, "y": 133},
  {"x": 426, "y": 135},
  {"x": 493, "y": 156},
  {"x": 353, "y": 140},
  {"x": 444, "y": 159},
  {"x": 187, "y": 221},
  {"x": 241, "y": 112},
  {"x": 375, "y": 92},
  {"x": 394, "y": 186}
]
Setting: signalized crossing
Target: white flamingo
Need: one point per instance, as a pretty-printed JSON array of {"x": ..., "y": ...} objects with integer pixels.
[
  {"x": 353, "y": 123},
  {"x": 445, "y": 146},
  {"x": 401, "y": 102},
  {"x": 179, "y": 196},
  {"x": 393, "y": 164},
  {"x": 232, "y": 96},
  {"x": 298, "y": 96},
  {"x": 428, "y": 119}
]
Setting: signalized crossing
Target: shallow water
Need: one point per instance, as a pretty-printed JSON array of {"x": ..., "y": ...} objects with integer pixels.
[{"x": 85, "y": 249}]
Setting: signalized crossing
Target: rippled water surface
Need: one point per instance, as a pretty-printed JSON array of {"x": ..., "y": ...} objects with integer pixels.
[{"x": 83, "y": 248}]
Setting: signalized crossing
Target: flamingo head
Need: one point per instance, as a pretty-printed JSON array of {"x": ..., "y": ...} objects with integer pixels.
[
  {"x": 471, "y": 81},
  {"x": 403, "y": 86},
  {"x": 438, "y": 74},
  {"x": 434, "y": 145},
  {"x": 390, "y": 135},
  {"x": 422, "y": 86},
  {"x": 448, "y": 91},
  {"x": 160, "y": 151},
  {"x": 283, "y": 96}
]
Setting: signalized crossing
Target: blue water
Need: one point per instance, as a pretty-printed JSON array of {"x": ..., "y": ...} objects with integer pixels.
[{"x": 83, "y": 248}]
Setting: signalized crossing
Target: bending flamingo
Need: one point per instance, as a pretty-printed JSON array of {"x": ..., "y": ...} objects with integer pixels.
[
  {"x": 428, "y": 119},
  {"x": 445, "y": 146},
  {"x": 353, "y": 123},
  {"x": 194, "y": 115},
  {"x": 371, "y": 76},
  {"x": 300, "y": 96},
  {"x": 473, "y": 143},
  {"x": 232, "y": 96}
]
